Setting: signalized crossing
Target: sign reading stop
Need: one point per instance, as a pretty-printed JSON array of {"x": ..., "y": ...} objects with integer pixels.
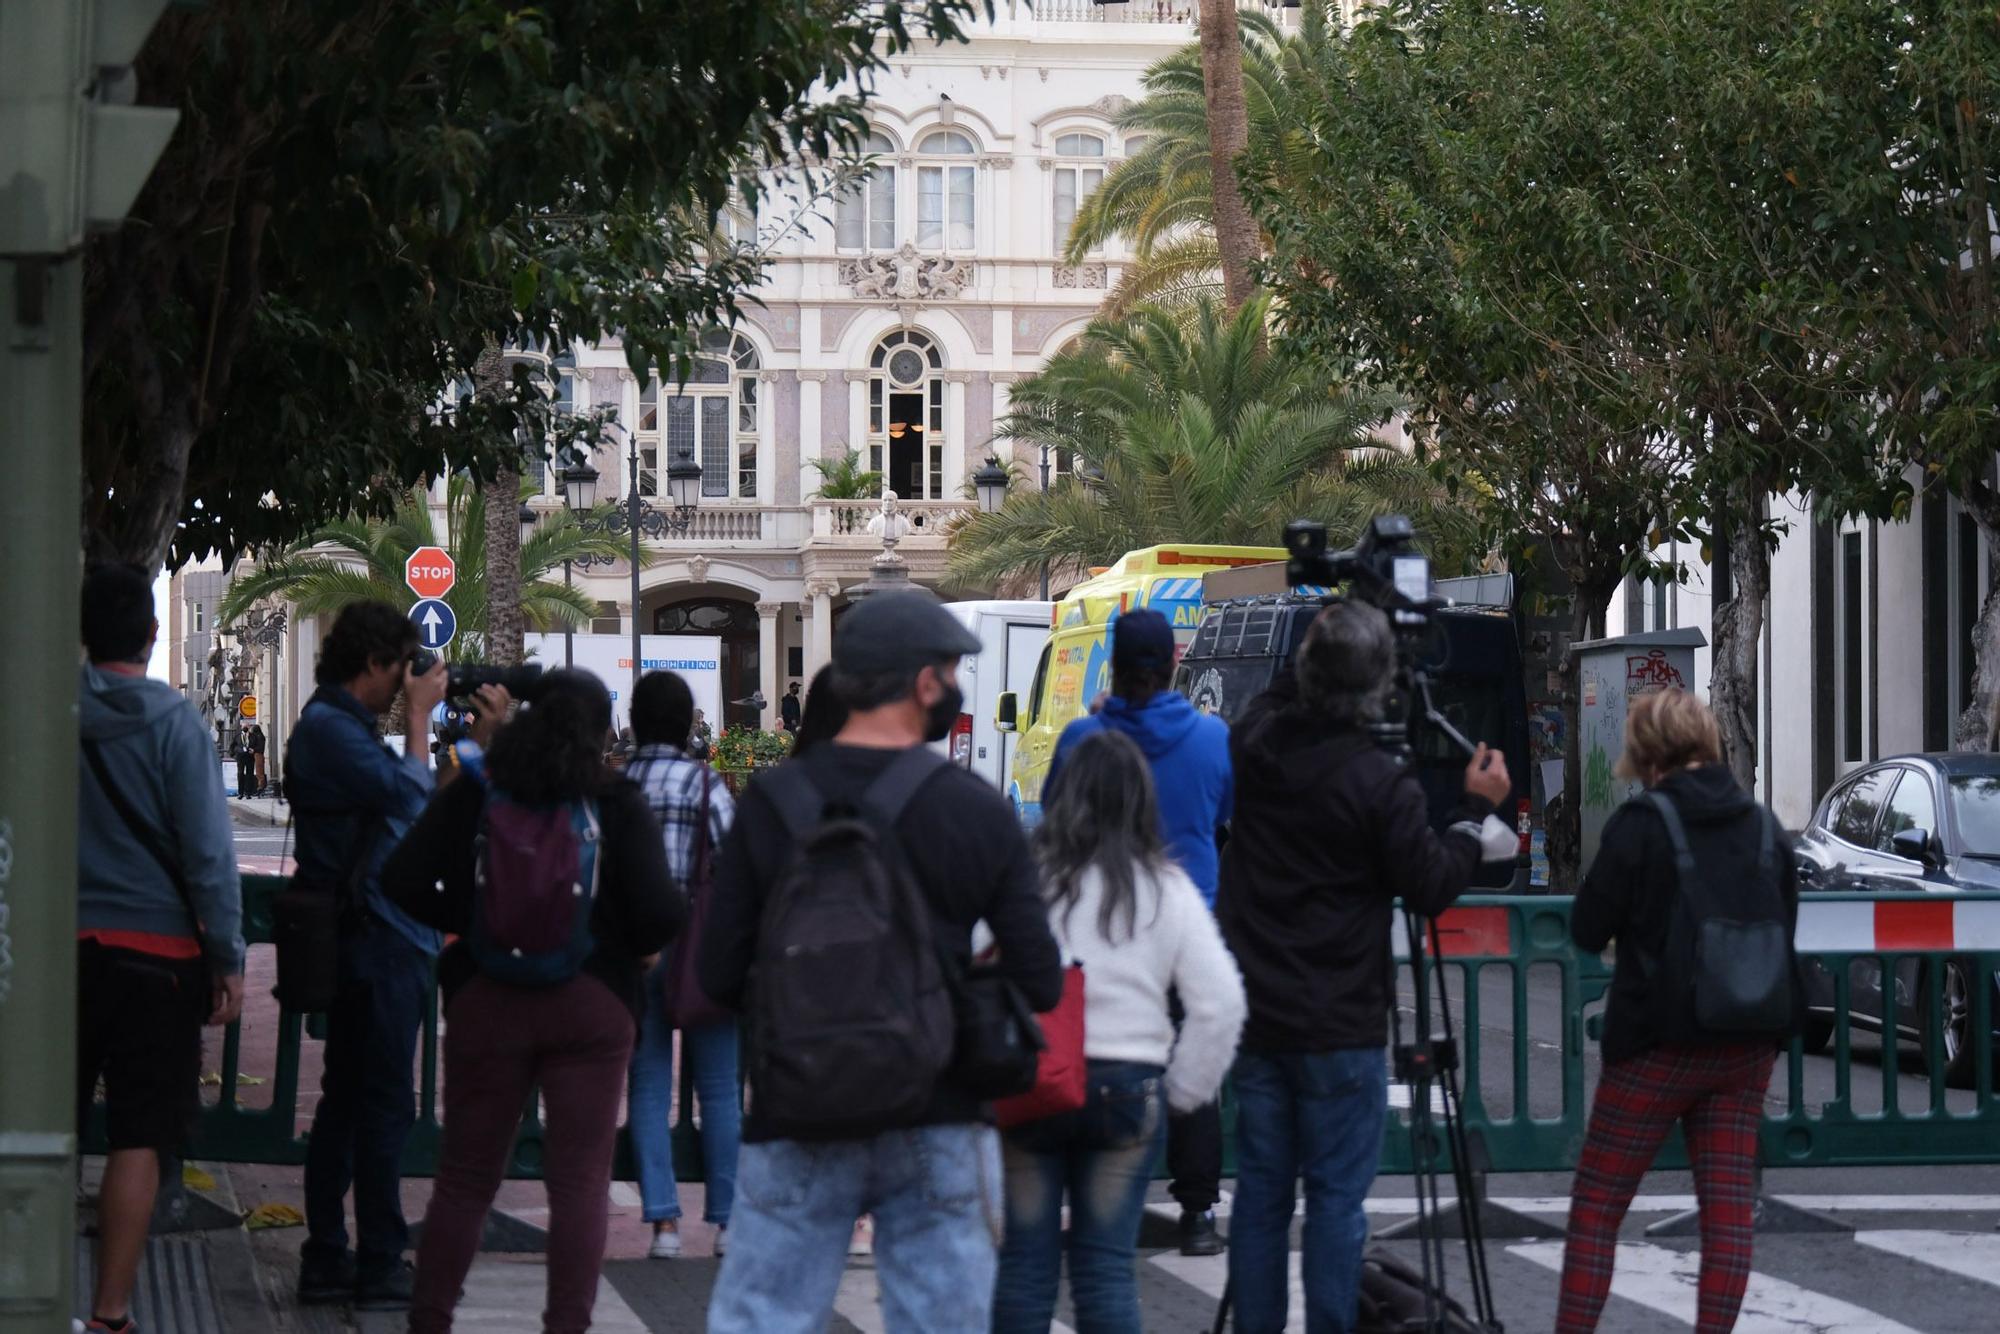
[{"x": 430, "y": 572}]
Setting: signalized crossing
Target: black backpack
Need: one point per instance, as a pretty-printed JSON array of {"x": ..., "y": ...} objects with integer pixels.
[
  {"x": 1394, "y": 1300},
  {"x": 851, "y": 1019},
  {"x": 1729, "y": 963}
]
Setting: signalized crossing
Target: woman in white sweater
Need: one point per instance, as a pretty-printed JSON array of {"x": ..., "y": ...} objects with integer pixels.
[{"x": 1139, "y": 927}]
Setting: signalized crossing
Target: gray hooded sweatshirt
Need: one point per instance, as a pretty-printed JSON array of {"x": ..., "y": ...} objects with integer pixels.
[{"x": 159, "y": 753}]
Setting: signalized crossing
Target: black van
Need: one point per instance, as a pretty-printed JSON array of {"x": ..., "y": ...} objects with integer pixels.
[{"x": 1475, "y": 669}]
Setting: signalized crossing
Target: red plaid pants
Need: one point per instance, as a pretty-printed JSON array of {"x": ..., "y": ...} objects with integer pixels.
[{"x": 1717, "y": 1094}]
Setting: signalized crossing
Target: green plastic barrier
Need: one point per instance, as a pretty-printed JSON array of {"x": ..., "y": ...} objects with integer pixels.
[{"x": 1496, "y": 947}]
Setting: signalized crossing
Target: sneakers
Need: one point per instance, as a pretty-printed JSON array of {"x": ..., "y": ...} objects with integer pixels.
[
  {"x": 666, "y": 1243},
  {"x": 721, "y": 1241},
  {"x": 324, "y": 1282},
  {"x": 1198, "y": 1234},
  {"x": 863, "y": 1243},
  {"x": 98, "y": 1325},
  {"x": 386, "y": 1290}
]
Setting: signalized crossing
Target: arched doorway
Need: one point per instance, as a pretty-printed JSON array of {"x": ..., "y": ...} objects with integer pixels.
[{"x": 736, "y": 623}]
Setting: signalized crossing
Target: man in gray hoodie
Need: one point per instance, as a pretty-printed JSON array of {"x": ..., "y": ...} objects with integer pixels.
[{"x": 159, "y": 916}]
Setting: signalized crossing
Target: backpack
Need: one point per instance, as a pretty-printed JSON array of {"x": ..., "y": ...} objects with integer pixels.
[
  {"x": 1728, "y": 965},
  {"x": 535, "y": 874},
  {"x": 1393, "y": 1301},
  {"x": 850, "y": 1016}
]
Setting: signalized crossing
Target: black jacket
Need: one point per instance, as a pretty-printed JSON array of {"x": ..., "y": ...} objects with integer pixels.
[
  {"x": 1629, "y": 892},
  {"x": 963, "y": 846},
  {"x": 1329, "y": 831},
  {"x": 638, "y": 908}
]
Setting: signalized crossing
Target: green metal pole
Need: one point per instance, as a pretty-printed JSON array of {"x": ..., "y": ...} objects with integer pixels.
[{"x": 41, "y": 360}]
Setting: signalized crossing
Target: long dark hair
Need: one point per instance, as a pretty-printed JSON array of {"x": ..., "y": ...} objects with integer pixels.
[
  {"x": 1102, "y": 815},
  {"x": 554, "y": 750},
  {"x": 824, "y": 714}
]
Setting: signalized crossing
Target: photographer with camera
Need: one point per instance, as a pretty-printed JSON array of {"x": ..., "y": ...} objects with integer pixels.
[
  {"x": 352, "y": 799},
  {"x": 1329, "y": 830}
]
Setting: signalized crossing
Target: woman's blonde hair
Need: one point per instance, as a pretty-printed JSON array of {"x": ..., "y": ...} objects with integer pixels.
[{"x": 1666, "y": 731}]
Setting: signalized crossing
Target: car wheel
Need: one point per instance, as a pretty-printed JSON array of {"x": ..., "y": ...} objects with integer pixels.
[
  {"x": 1959, "y": 1054},
  {"x": 1817, "y": 1034}
]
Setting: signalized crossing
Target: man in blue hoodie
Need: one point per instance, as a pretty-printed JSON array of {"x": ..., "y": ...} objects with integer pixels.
[
  {"x": 159, "y": 916},
  {"x": 1189, "y": 755}
]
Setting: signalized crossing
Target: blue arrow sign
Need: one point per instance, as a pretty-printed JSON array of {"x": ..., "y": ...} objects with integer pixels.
[{"x": 435, "y": 623}]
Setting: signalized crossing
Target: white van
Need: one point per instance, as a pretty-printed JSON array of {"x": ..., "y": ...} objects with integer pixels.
[{"x": 1012, "y": 634}]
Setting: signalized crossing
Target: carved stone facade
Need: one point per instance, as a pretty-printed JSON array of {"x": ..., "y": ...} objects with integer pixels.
[
  {"x": 1080, "y": 275},
  {"x": 907, "y": 275}
]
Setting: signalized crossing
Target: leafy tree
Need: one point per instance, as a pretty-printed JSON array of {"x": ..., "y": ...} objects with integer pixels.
[
  {"x": 1201, "y": 435},
  {"x": 364, "y": 195},
  {"x": 846, "y": 479},
  {"x": 352, "y": 559}
]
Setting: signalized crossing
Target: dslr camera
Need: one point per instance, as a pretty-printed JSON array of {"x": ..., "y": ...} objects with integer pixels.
[{"x": 463, "y": 679}]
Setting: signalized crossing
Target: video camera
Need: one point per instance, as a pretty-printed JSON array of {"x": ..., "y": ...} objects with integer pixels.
[
  {"x": 463, "y": 679},
  {"x": 1384, "y": 567}
]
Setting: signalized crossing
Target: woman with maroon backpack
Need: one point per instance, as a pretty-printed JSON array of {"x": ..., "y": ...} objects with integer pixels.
[{"x": 550, "y": 869}]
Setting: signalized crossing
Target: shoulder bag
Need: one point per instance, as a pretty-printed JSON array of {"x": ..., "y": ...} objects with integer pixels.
[{"x": 688, "y": 1006}]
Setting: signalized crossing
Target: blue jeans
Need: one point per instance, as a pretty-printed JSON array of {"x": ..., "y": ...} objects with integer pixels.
[
  {"x": 1317, "y": 1115},
  {"x": 367, "y": 1098},
  {"x": 710, "y": 1055},
  {"x": 1102, "y": 1157},
  {"x": 935, "y": 1194}
]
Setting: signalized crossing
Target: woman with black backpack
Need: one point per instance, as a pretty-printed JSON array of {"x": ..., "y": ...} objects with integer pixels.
[
  {"x": 1696, "y": 883},
  {"x": 551, "y": 870}
]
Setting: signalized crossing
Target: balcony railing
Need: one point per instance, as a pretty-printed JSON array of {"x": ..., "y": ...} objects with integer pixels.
[
  {"x": 914, "y": 518},
  {"x": 1182, "y": 13},
  {"x": 842, "y": 523}
]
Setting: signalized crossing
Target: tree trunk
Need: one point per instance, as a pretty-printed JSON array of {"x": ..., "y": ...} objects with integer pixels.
[
  {"x": 1236, "y": 233},
  {"x": 1976, "y": 725},
  {"x": 504, "y": 625},
  {"x": 1736, "y": 626}
]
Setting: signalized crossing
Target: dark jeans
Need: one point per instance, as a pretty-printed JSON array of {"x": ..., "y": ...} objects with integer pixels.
[
  {"x": 572, "y": 1041},
  {"x": 1100, "y": 1158},
  {"x": 1316, "y": 1115},
  {"x": 367, "y": 1098}
]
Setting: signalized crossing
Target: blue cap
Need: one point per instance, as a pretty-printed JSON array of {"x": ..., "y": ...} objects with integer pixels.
[{"x": 1142, "y": 640}]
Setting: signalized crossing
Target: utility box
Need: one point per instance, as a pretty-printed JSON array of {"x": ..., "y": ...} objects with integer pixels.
[{"x": 1611, "y": 673}]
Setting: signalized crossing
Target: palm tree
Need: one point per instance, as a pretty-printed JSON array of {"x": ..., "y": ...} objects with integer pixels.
[
  {"x": 369, "y": 555},
  {"x": 1161, "y": 200},
  {"x": 1237, "y": 240},
  {"x": 846, "y": 479},
  {"x": 1201, "y": 434}
]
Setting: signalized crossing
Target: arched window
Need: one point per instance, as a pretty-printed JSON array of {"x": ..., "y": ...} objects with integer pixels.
[
  {"x": 906, "y": 415},
  {"x": 713, "y": 417},
  {"x": 1078, "y": 171},
  {"x": 1135, "y": 144},
  {"x": 865, "y": 213},
  {"x": 945, "y": 192}
]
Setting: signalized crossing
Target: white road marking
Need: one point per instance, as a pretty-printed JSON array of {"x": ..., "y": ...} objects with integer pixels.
[
  {"x": 859, "y": 1302},
  {"x": 1973, "y": 1255},
  {"x": 1664, "y": 1280},
  {"x": 1400, "y": 1205},
  {"x": 1210, "y": 1273},
  {"x": 506, "y": 1297}
]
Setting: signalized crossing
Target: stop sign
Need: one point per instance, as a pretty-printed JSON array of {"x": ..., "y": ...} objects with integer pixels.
[{"x": 430, "y": 572}]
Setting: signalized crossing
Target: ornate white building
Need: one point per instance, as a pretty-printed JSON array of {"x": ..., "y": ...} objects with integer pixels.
[{"x": 893, "y": 322}]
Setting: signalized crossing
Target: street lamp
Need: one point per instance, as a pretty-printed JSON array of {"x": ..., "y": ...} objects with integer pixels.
[
  {"x": 637, "y": 518},
  {"x": 579, "y": 484},
  {"x": 527, "y": 518},
  {"x": 989, "y": 483}
]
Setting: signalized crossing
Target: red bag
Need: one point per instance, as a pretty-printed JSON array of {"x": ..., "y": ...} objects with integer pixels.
[
  {"x": 1061, "y": 1083},
  {"x": 688, "y": 1006}
]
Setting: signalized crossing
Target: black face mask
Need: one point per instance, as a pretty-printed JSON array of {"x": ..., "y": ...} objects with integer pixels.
[{"x": 943, "y": 714}]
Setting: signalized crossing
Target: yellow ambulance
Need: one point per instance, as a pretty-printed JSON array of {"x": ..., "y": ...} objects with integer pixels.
[{"x": 1075, "y": 667}]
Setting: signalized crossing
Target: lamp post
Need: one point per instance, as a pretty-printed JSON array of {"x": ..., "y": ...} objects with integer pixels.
[
  {"x": 1045, "y": 488},
  {"x": 989, "y": 483},
  {"x": 637, "y": 518}
]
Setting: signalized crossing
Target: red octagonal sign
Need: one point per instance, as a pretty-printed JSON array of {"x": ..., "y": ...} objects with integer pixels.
[{"x": 430, "y": 572}]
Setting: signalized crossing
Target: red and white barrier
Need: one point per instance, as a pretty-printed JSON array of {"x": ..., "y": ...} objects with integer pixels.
[{"x": 1869, "y": 925}]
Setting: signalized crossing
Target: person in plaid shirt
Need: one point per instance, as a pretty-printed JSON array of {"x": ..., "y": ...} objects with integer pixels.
[{"x": 662, "y": 721}]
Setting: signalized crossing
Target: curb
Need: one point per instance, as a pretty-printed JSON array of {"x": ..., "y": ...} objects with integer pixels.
[{"x": 243, "y": 813}]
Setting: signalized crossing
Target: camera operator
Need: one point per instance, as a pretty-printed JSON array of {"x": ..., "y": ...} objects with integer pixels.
[
  {"x": 352, "y": 799},
  {"x": 1329, "y": 830}
]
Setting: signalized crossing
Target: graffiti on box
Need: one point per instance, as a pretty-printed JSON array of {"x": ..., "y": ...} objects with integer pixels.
[{"x": 1649, "y": 673}]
